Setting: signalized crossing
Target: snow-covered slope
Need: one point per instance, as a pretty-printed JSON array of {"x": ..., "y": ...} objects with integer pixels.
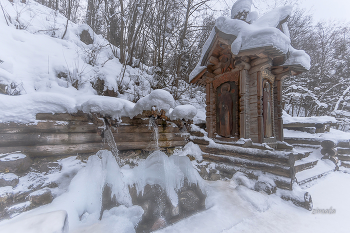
[{"x": 57, "y": 75}]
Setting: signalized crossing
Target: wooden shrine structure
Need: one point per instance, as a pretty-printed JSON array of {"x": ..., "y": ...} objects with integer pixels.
[{"x": 244, "y": 91}]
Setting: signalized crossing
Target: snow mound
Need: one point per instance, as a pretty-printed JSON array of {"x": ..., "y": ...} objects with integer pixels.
[
  {"x": 159, "y": 98},
  {"x": 23, "y": 108},
  {"x": 52, "y": 222},
  {"x": 114, "y": 107},
  {"x": 186, "y": 112}
]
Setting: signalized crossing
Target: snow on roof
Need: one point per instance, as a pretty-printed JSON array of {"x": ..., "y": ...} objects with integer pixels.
[
  {"x": 298, "y": 57},
  {"x": 261, "y": 33},
  {"x": 274, "y": 17}
]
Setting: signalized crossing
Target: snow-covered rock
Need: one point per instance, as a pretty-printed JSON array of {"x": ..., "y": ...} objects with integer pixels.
[{"x": 14, "y": 162}]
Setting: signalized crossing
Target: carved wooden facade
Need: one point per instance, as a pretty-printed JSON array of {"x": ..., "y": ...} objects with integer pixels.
[{"x": 244, "y": 92}]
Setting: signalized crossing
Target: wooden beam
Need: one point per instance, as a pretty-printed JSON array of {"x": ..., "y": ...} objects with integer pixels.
[
  {"x": 63, "y": 116},
  {"x": 148, "y": 137},
  {"x": 56, "y": 150},
  {"x": 50, "y": 127},
  {"x": 34, "y": 139},
  {"x": 251, "y": 52},
  {"x": 198, "y": 76}
]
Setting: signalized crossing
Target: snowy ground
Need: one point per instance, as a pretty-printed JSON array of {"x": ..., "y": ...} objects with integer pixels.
[
  {"x": 242, "y": 210},
  {"x": 230, "y": 208}
]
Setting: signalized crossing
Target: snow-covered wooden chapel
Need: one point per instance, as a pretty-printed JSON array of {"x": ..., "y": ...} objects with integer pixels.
[{"x": 242, "y": 66}]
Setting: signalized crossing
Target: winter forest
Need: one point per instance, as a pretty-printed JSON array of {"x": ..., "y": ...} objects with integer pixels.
[{"x": 164, "y": 39}]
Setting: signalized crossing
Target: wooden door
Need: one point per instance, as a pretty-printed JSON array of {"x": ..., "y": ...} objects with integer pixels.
[{"x": 227, "y": 109}]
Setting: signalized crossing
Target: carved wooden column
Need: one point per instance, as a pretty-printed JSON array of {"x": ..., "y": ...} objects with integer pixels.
[
  {"x": 278, "y": 105},
  {"x": 243, "y": 103},
  {"x": 210, "y": 108},
  {"x": 260, "y": 108},
  {"x": 208, "y": 112},
  {"x": 278, "y": 108}
]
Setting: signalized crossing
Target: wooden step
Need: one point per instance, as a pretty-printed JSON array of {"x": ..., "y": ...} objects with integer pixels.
[
  {"x": 305, "y": 166},
  {"x": 345, "y": 164},
  {"x": 259, "y": 156},
  {"x": 281, "y": 182},
  {"x": 254, "y": 165},
  {"x": 322, "y": 168},
  {"x": 309, "y": 141},
  {"x": 302, "y": 155},
  {"x": 305, "y": 181},
  {"x": 343, "y": 157},
  {"x": 343, "y": 151}
]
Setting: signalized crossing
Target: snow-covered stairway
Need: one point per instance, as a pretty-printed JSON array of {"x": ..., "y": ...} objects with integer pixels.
[{"x": 282, "y": 166}]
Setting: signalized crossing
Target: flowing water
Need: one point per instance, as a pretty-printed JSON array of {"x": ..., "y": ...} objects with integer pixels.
[{"x": 153, "y": 125}]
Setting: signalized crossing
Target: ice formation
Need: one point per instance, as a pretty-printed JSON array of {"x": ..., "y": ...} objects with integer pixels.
[
  {"x": 168, "y": 172},
  {"x": 83, "y": 201}
]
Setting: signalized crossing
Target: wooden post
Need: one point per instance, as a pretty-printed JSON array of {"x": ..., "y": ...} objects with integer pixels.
[
  {"x": 242, "y": 93},
  {"x": 278, "y": 105},
  {"x": 212, "y": 110},
  {"x": 208, "y": 119},
  {"x": 260, "y": 108}
]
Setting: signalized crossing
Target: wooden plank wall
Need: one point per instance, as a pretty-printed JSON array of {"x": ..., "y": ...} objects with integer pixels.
[
  {"x": 71, "y": 134},
  {"x": 135, "y": 134},
  {"x": 52, "y": 135}
]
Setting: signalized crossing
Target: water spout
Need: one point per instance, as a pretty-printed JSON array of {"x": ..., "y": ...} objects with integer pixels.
[{"x": 153, "y": 125}]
